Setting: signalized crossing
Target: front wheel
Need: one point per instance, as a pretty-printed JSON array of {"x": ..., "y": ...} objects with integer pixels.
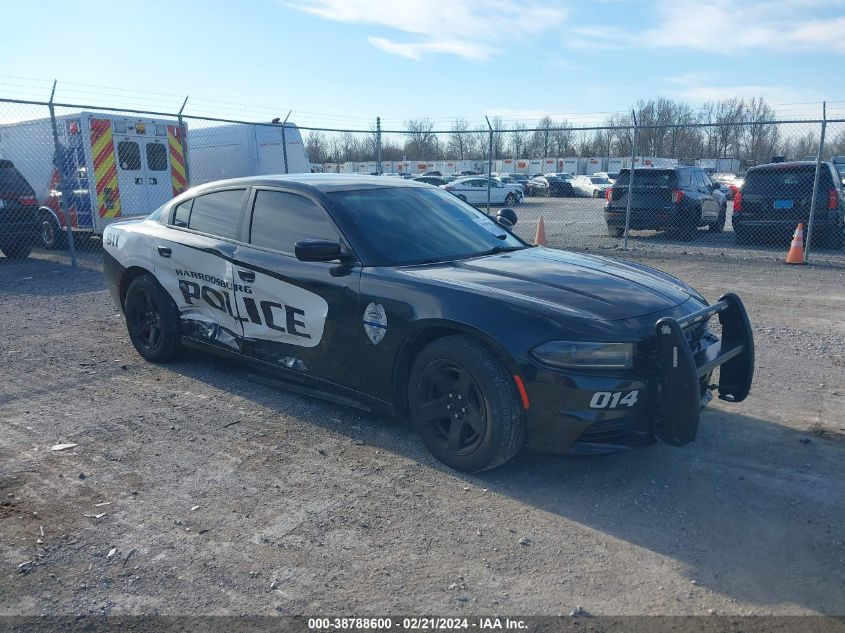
[
  {"x": 511, "y": 200},
  {"x": 152, "y": 319},
  {"x": 464, "y": 405},
  {"x": 615, "y": 231},
  {"x": 17, "y": 251}
]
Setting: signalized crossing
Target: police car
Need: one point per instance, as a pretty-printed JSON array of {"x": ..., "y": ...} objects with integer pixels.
[{"x": 400, "y": 297}]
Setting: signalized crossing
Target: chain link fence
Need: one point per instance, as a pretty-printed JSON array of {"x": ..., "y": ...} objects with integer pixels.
[{"x": 726, "y": 188}]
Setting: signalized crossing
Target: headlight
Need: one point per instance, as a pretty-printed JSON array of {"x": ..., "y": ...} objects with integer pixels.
[{"x": 576, "y": 354}]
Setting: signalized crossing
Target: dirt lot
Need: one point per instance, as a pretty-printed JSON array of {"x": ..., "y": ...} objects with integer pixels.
[{"x": 222, "y": 495}]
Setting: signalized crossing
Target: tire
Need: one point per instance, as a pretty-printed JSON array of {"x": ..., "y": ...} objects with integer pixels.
[
  {"x": 510, "y": 200},
  {"x": 459, "y": 376},
  {"x": 615, "y": 231},
  {"x": 17, "y": 251},
  {"x": 152, "y": 320},
  {"x": 51, "y": 235},
  {"x": 595, "y": 193},
  {"x": 719, "y": 225}
]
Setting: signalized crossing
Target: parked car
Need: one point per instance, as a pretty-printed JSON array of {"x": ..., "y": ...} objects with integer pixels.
[
  {"x": 675, "y": 199},
  {"x": 591, "y": 186},
  {"x": 19, "y": 224},
  {"x": 603, "y": 174},
  {"x": 728, "y": 183},
  {"x": 508, "y": 179},
  {"x": 399, "y": 297},
  {"x": 537, "y": 187},
  {"x": 774, "y": 198},
  {"x": 432, "y": 180},
  {"x": 473, "y": 189},
  {"x": 560, "y": 185},
  {"x": 433, "y": 172}
]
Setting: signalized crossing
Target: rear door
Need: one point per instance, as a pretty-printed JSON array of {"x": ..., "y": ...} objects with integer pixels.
[
  {"x": 158, "y": 186},
  {"x": 710, "y": 206},
  {"x": 303, "y": 318},
  {"x": 193, "y": 258},
  {"x": 131, "y": 176}
]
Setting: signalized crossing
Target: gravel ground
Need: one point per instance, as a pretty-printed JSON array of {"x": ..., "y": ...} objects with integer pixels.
[{"x": 195, "y": 489}]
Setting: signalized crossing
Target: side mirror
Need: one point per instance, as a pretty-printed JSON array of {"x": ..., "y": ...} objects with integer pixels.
[
  {"x": 506, "y": 218},
  {"x": 317, "y": 251}
]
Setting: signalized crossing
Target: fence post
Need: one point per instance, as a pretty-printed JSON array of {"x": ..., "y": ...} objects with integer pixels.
[
  {"x": 285, "y": 142},
  {"x": 815, "y": 184},
  {"x": 58, "y": 163},
  {"x": 634, "y": 139},
  {"x": 378, "y": 145},
  {"x": 184, "y": 141},
  {"x": 489, "y": 164}
]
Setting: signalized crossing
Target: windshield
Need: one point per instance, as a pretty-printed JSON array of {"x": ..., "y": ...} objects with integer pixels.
[
  {"x": 600, "y": 181},
  {"x": 400, "y": 226},
  {"x": 648, "y": 178},
  {"x": 793, "y": 180}
]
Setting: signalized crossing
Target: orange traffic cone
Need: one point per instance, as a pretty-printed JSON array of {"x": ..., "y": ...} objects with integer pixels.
[
  {"x": 540, "y": 235},
  {"x": 796, "y": 250}
]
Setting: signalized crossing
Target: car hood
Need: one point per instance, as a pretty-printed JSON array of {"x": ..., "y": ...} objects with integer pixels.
[{"x": 577, "y": 285}]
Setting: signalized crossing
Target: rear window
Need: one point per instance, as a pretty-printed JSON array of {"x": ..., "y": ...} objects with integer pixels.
[
  {"x": 648, "y": 177},
  {"x": 793, "y": 179},
  {"x": 11, "y": 181}
]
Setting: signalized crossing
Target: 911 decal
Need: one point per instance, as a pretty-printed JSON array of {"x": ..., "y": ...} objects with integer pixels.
[{"x": 613, "y": 400}]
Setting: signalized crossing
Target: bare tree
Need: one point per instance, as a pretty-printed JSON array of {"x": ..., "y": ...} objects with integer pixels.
[
  {"x": 317, "y": 147},
  {"x": 457, "y": 145},
  {"x": 518, "y": 141},
  {"x": 421, "y": 143}
]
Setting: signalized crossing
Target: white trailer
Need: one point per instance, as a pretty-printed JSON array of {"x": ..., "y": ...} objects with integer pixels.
[
  {"x": 535, "y": 166},
  {"x": 506, "y": 166},
  {"x": 242, "y": 149},
  {"x": 573, "y": 165},
  {"x": 521, "y": 166},
  {"x": 387, "y": 167},
  {"x": 595, "y": 164},
  {"x": 616, "y": 164},
  {"x": 450, "y": 167},
  {"x": 348, "y": 167},
  {"x": 552, "y": 165},
  {"x": 654, "y": 162},
  {"x": 113, "y": 167}
]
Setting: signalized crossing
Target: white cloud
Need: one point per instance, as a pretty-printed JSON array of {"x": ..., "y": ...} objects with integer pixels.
[
  {"x": 729, "y": 26},
  {"x": 471, "y": 29}
]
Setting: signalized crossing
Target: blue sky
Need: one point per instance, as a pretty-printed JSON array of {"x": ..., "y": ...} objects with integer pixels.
[{"x": 342, "y": 62}]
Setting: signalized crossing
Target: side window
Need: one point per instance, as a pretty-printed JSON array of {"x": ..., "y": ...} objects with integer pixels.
[
  {"x": 183, "y": 213},
  {"x": 156, "y": 157},
  {"x": 280, "y": 220},
  {"x": 217, "y": 213},
  {"x": 706, "y": 178},
  {"x": 684, "y": 180},
  {"x": 129, "y": 155}
]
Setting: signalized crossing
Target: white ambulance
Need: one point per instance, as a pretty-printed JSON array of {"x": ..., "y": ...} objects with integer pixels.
[{"x": 113, "y": 167}]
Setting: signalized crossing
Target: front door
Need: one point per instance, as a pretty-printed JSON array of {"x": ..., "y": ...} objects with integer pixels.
[{"x": 303, "y": 318}]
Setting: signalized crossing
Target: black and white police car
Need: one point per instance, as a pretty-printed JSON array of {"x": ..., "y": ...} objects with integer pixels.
[{"x": 402, "y": 298}]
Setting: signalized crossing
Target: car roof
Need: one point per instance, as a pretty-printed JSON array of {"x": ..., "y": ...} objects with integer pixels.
[
  {"x": 787, "y": 165},
  {"x": 323, "y": 183}
]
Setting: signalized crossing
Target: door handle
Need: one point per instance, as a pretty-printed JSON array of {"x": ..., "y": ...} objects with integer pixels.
[
  {"x": 247, "y": 276},
  {"x": 164, "y": 251}
]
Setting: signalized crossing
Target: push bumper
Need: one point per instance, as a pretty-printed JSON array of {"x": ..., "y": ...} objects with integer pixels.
[
  {"x": 680, "y": 371},
  {"x": 567, "y": 413}
]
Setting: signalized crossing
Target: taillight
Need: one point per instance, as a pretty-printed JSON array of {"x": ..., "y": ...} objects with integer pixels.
[
  {"x": 608, "y": 195},
  {"x": 733, "y": 189},
  {"x": 677, "y": 196},
  {"x": 28, "y": 201},
  {"x": 738, "y": 201},
  {"x": 832, "y": 199}
]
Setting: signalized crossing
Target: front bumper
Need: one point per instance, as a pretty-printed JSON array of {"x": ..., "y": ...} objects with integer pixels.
[{"x": 587, "y": 413}]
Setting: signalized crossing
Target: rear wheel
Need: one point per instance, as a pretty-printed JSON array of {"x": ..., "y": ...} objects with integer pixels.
[
  {"x": 719, "y": 225},
  {"x": 510, "y": 199},
  {"x": 833, "y": 237},
  {"x": 152, "y": 319},
  {"x": 615, "y": 231},
  {"x": 464, "y": 405},
  {"x": 17, "y": 251},
  {"x": 50, "y": 235}
]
